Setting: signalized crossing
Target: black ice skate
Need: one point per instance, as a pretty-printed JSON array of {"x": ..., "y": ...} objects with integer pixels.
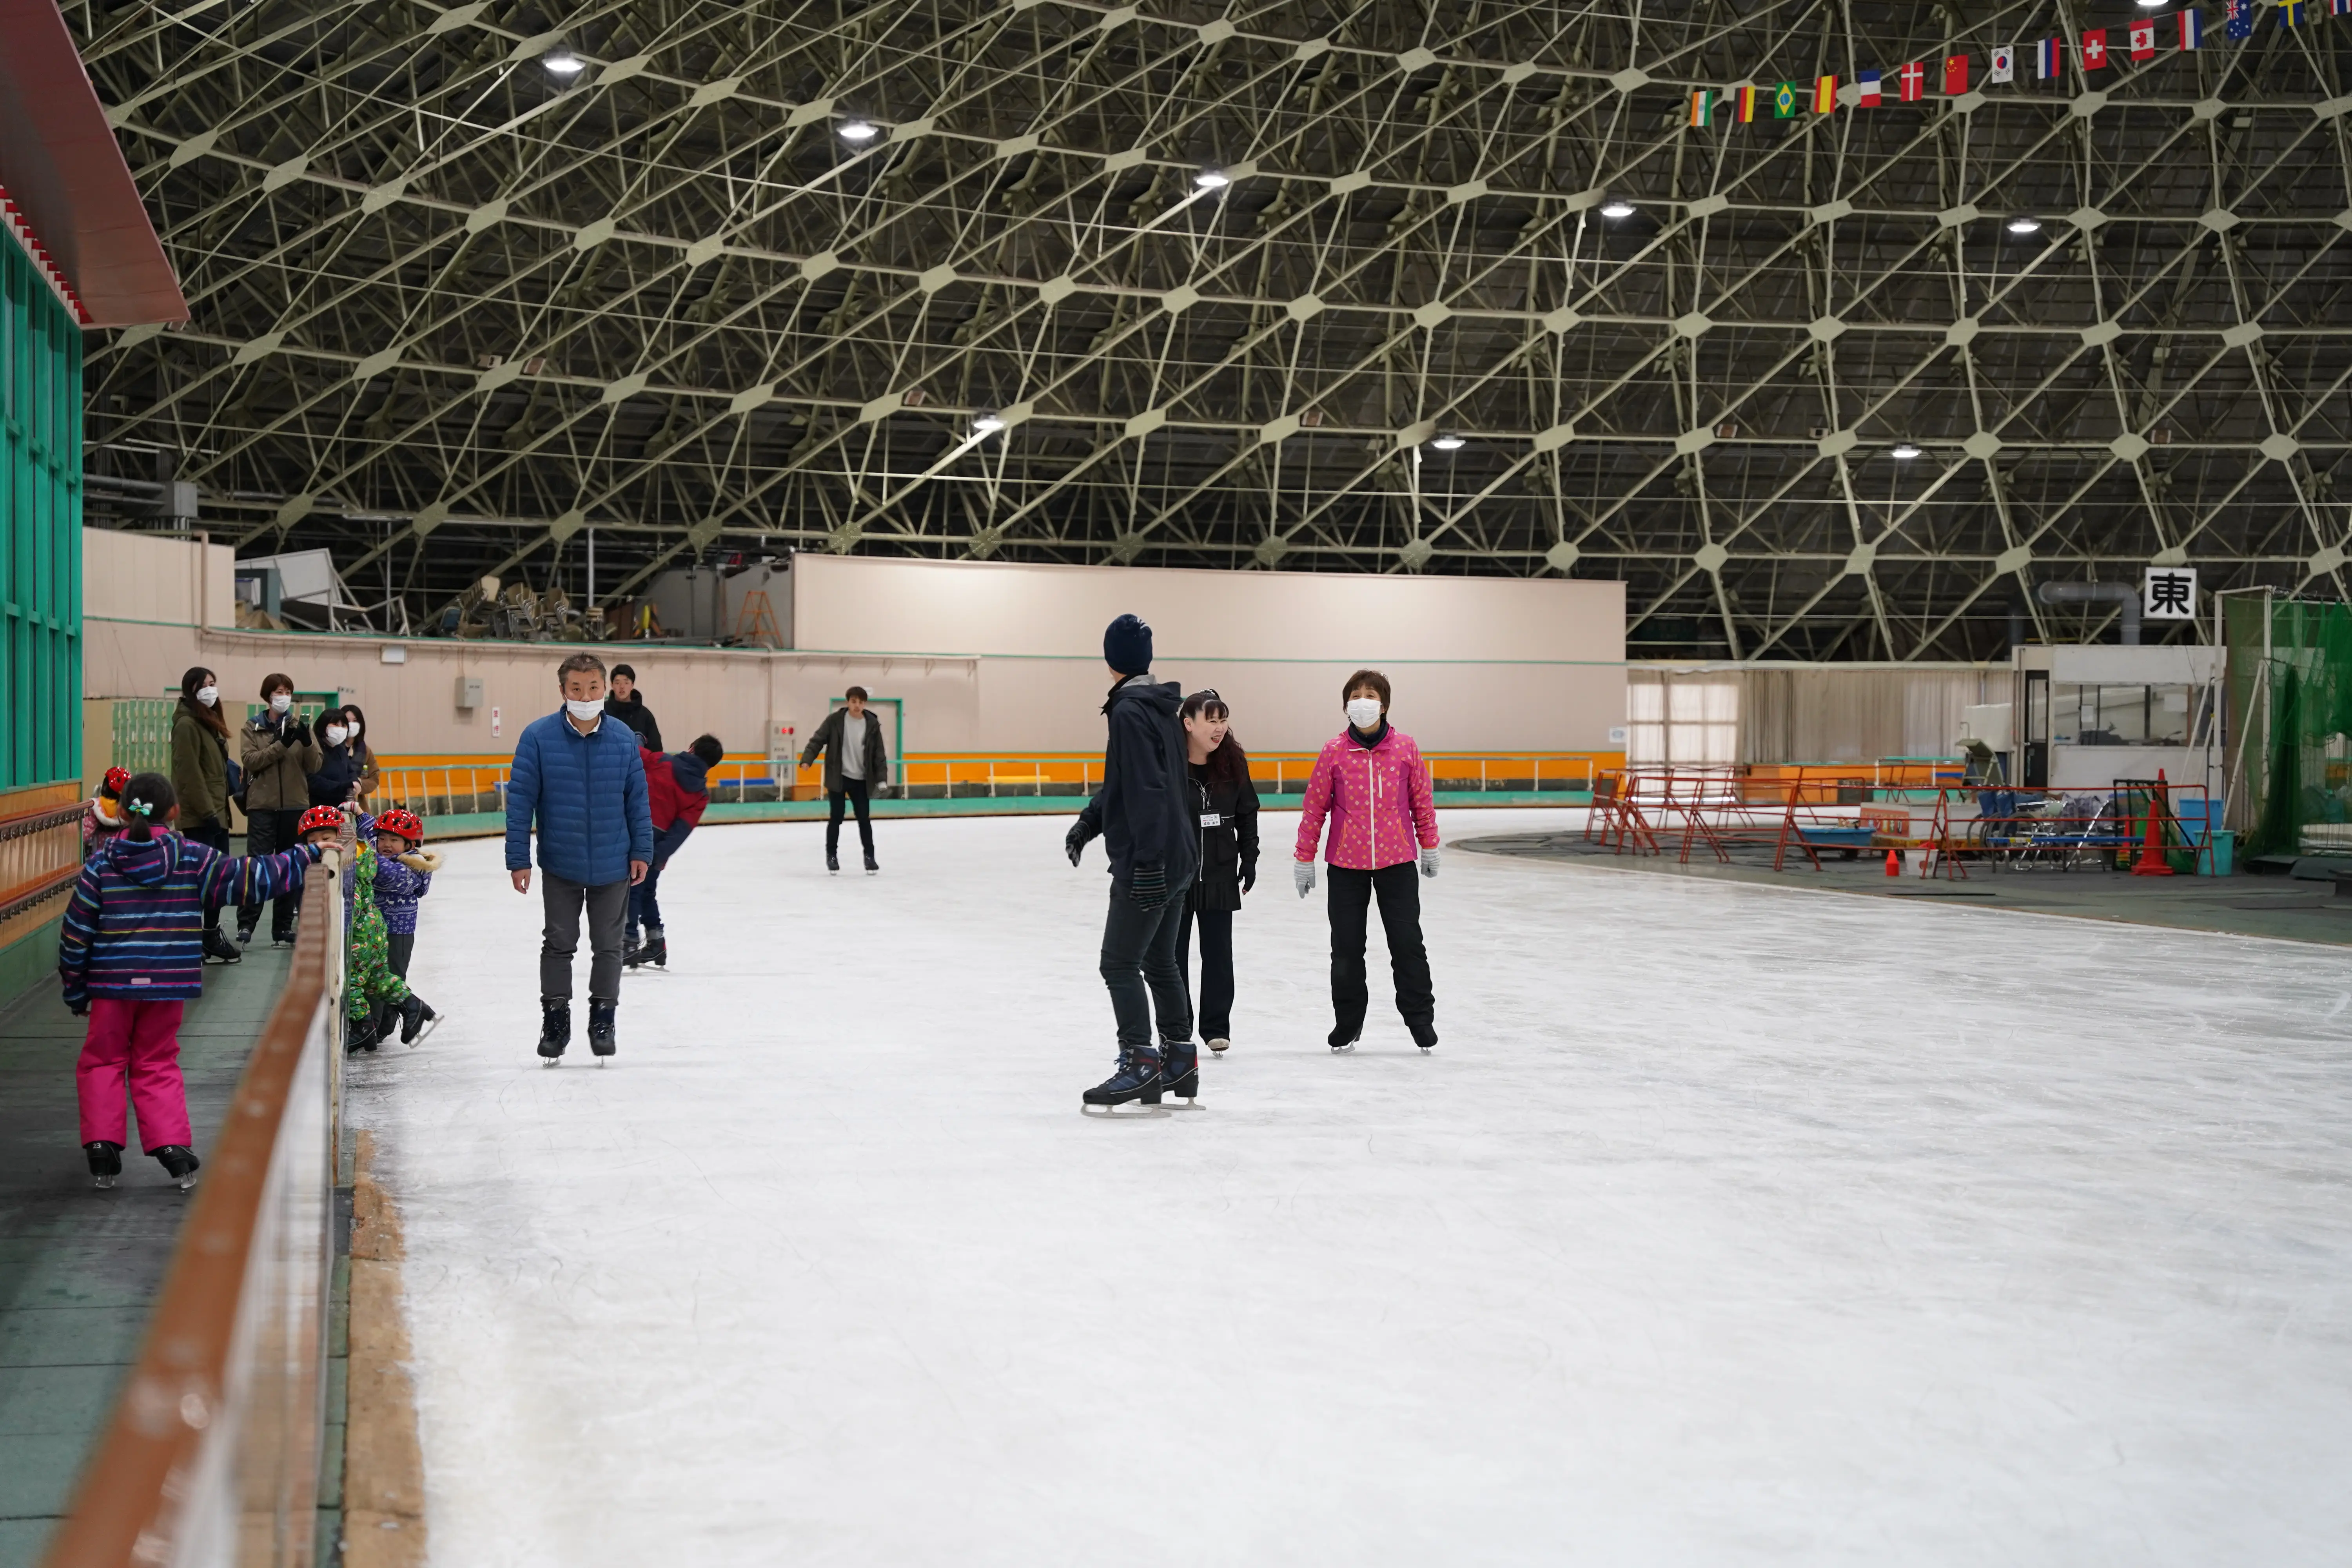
[
  {"x": 872, "y": 866},
  {"x": 218, "y": 948},
  {"x": 603, "y": 1039},
  {"x": 105, "y": 1162},
  {"x": 1424, "y": 1033},
  {"x": 833, "y": 861},
  {"x": 1180, "y": 1070},
  {"x": 360, "y": 1035},
  {"x": 555, "y": 1029},
  {"x": 1136, "y": 1078},
  {"x": 654, "y": 951},
  {"x": 416, "y": 1019},
  {"x": 180, "y": 1163},
  {"x": 1341, "y": 1047}
]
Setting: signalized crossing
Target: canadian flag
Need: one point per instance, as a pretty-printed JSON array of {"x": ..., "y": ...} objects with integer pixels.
[
  {"x": 2143, "y": 41},
  {"x": 1914, "y": 78},
  {"x": 2094, "y": 48}
]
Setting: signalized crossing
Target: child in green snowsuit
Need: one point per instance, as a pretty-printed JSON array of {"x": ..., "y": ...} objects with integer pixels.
[{"x": 371, "y": 992}]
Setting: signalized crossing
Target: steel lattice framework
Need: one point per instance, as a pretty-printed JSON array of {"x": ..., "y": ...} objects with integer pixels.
[{"x": 452, "y": 308}]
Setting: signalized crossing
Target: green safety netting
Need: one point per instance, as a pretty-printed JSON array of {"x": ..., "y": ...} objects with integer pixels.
[{"x": 2291, "y": 702}]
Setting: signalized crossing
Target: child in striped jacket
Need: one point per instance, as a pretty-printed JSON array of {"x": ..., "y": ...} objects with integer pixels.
[{"x": 132, "y": 958}]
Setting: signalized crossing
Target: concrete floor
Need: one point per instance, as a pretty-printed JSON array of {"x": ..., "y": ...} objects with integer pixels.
[{"x": 80, "y": 1268}]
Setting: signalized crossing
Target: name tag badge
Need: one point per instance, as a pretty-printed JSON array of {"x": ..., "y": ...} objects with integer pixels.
[{"x": 1211, "y": 819}]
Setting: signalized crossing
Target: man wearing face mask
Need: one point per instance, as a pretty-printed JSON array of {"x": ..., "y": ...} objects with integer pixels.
[
  {"x": 279, "y": 754},
  {"x": 579, "y": 777}
]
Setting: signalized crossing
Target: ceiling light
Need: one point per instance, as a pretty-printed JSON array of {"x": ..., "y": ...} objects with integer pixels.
[
  {"x": 2025, "y": 225},
  {"x": 1620, "y": 207},
  {"x": 1212, "y": 179},
  {"x": 563, "y": 62},
  {"x": 987, "y": 421},
  {"x": 1449, "y": 442},
  {"x": 859, "y": 131},
  {"x": 1904, "y": 451}
]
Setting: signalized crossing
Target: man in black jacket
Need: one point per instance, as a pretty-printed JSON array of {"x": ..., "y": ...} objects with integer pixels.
[
  {"x": 1145, "y": 825},
  {"x": 624, "y": 701}
]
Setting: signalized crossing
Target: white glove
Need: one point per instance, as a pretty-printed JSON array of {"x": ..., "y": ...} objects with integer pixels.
[
  {"x": 1302, "y": 876},
  {"x": 1429, "y": 861}
]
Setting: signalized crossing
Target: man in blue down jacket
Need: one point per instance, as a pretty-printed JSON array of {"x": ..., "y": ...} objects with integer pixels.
[
  {"x": 577, "y": 771},
  {"x": 1144, "y": 817}
]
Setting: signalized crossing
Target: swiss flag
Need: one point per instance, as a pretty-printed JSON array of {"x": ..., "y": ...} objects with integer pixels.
[
  {"x": 1956, "y": 74},
  {"x": 1914, "y": 78},
  {"x": 2143, "y": 41},
  {"x": 2094, "y": 48}
]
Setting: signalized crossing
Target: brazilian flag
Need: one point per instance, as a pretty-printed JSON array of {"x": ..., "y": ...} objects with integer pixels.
[{"x": 1784, "y": 101}]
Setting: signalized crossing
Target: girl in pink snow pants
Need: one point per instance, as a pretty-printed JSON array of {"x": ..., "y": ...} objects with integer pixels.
[{"x": 1373, "y": 785}]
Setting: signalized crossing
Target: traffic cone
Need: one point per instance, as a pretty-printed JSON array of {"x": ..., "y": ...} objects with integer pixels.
[
  {"x": 1893, "y": 863},
  {"x": 2151, "y": 861}
]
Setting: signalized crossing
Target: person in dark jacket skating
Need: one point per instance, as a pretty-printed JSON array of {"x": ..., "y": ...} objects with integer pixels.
[
  {"x": 1142, "y": 817},
  {"x": 1225, "y": 804},
  {"x": 676, "y": 789},
  {"x": 851, "y": 740},
  {"x": 578, "y": 772}
]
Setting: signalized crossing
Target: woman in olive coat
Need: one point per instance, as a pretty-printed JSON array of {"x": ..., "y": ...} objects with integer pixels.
[{"x": 200, "y": 778}]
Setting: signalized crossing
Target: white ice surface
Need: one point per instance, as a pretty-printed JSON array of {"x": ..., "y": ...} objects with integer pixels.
[{"x": 1725, "y": 1225}]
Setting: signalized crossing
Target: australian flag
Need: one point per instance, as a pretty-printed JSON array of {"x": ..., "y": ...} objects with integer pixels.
[{"x": 2242, "y": 18}]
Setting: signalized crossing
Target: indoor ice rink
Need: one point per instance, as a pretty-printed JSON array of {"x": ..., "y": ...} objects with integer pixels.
[{"x": 1055, "y": 782}]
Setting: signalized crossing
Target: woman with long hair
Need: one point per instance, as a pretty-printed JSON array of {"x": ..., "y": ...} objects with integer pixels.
[
  {"x": 363, "y": 748},
  {"x": 200, "y": 785},
  {"x": 346, "y": 768},
  {"x": 1225, "y": 804}
]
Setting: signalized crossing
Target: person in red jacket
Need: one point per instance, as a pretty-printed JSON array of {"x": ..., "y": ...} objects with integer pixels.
[{"x": 678, "y": 787}]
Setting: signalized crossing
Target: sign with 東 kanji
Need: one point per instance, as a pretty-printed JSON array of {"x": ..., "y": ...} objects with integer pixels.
[{"x": 2169, "y": 594}]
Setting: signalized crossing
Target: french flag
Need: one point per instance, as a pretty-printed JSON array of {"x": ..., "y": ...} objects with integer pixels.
[
  {"x": 1867, "y": 84},
  {"x": 2046, "y": 59},
  {"x": 2192, "y": 30}
]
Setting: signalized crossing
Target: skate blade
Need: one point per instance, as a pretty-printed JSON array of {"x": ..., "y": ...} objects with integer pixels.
[
  {"x": 425, "y": 1029},
  {"x": 551, "y": 1061},
  {"x": 105, "y": 1184},
  {"x": 1132, "y": 1110},
  {"x": 187, "y": 1184}
]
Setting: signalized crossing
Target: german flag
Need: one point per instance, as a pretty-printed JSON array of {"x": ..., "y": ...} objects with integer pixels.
[{"x": 1747, "y": 103}]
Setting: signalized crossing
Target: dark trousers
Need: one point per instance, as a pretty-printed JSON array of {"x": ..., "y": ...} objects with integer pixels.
[
  {"x": 1398, "y": 889},
  {"x": 608, "y": 906},
  {"x": 1138, "y": 965},
  {"x": 860, "y": 793},
  {"x": 1216, "y": 993},
  {"x": 267, "y": 832},
  {"x": 213, "y": 834},
  {"x": 399, "y": 947},
  {"x": 644, "y": 900}
]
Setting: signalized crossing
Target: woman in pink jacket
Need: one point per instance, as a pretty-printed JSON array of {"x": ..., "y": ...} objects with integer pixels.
[{"x": 1371, "y": 783}]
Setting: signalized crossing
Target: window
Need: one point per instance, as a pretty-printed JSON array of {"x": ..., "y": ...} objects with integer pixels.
[
  {"x": 2090, "y": 715},
  {"x": 1681, "y": 720}
]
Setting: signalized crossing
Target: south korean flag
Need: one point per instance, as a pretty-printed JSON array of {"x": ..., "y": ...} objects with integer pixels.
[{"x": 2004, "y": 64}]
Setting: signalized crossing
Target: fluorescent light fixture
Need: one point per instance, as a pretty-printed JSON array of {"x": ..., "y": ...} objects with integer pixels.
[
  {"x": 562, "y": 62},
  {"x": 987, "y": 421},
  {"x": 1212, "y": 179},
  {"x": 1619, "y": 207},
  {"x": 2025, "y": 225},
  {"x": 1449, "y": 442},
  {"x": 1904, "y": 451},
  {"x": 859, "y": 131}
]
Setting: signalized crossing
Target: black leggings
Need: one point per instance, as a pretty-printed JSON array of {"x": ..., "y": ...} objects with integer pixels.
[
  {"x": 266, "y": 832},
  {"x": 1216, "y": 993},
  {"x": 213, "y": 834},
  {"x": 857, "y": 791},
  {"x": 1399, "y": 891}
]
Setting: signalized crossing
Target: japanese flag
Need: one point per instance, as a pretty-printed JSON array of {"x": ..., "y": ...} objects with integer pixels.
[
  {"x": 2004, "y": 64},
  {"x": 2143, "y": 39}
]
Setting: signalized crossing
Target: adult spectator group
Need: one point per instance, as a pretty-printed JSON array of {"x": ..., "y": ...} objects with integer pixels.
[
  {"x": 627, "y": 704},
  {"x": 281, "y": 754},
  {"x": 201, "y": 784},
  {"x": 580, "y": 777}
]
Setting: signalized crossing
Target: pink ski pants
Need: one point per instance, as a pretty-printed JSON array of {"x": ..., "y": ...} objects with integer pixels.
[{"x": 139, "y": 1040}]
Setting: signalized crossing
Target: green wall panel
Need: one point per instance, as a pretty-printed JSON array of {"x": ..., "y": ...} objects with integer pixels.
[{"x": 40, "y": 528}]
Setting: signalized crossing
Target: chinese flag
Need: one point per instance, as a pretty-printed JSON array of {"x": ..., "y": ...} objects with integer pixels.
[
  {"x": 2094, "y": 48},
  {"x": 2143, "y": 41},
  {"x": 1956, "y": 74}
]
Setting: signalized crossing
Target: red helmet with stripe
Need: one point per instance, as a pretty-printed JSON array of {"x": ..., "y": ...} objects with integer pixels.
[
  {"x": 319, "y": 816},
  {"x": 404, "y": 822},
  {"x": 117, "y": 780}
]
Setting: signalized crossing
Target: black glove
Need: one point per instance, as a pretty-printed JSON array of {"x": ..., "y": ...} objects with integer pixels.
[
  {"x": 1075, "y": 842},
  {"x": 298, "y": 731},
  {"x": 79, "y": 1007},
  {"x": 1249, "y": 873},
  {"x": 1147, "y": 885}
]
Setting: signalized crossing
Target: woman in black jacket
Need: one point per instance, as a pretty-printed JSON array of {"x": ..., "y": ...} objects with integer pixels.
[{"x": 1224, "y": 804}]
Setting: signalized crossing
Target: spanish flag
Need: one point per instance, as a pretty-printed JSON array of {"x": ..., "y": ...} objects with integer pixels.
[
  {"x": 1825, "y": 95},
  {"x": 1703, "y": 107},
  {"x": 1747, "y": 103}
]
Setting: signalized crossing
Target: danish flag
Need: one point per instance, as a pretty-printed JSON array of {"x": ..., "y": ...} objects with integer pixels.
[{"x": 1914, "y": 78}]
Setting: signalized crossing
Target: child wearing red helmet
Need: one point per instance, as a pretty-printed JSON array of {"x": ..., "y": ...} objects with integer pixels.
[
  {"x": 103, "y": 820},
  {"x": 404, "y": 874}
]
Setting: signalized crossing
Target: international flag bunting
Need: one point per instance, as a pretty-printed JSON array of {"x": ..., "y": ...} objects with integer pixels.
[
  {"x": 2046, "y": 57},
  {"x": 2094, "y": 48},
  {"x": 1956, "y": 74},
  {"x": 1865, "y": 84},
  {"x": 2004, "y": 64},
  {"x": 1784, "y": 101},
  {"x": 2192, "y": 28},
  {"x": 1914, "y": 78},
  {"x": 1702, "y": 107},
  {"x": 2292, "y": 13},
  {"x": 1747, "y": 103},
  {"x": 1824, "y": 94},
  {"x": 2143, "y": 39},
  {"x": 2339, "y": 7},
  {"x": 2242, "y": 19}
]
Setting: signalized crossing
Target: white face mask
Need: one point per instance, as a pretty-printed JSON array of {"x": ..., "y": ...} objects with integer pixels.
[
  {"x": 1364, "y": 712},
  {"x": 584, "y": 711},
  {"x": 207, "y": 695},
  {"x": 280, "y": 702},
  {"x": 336, "y": 734}
]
